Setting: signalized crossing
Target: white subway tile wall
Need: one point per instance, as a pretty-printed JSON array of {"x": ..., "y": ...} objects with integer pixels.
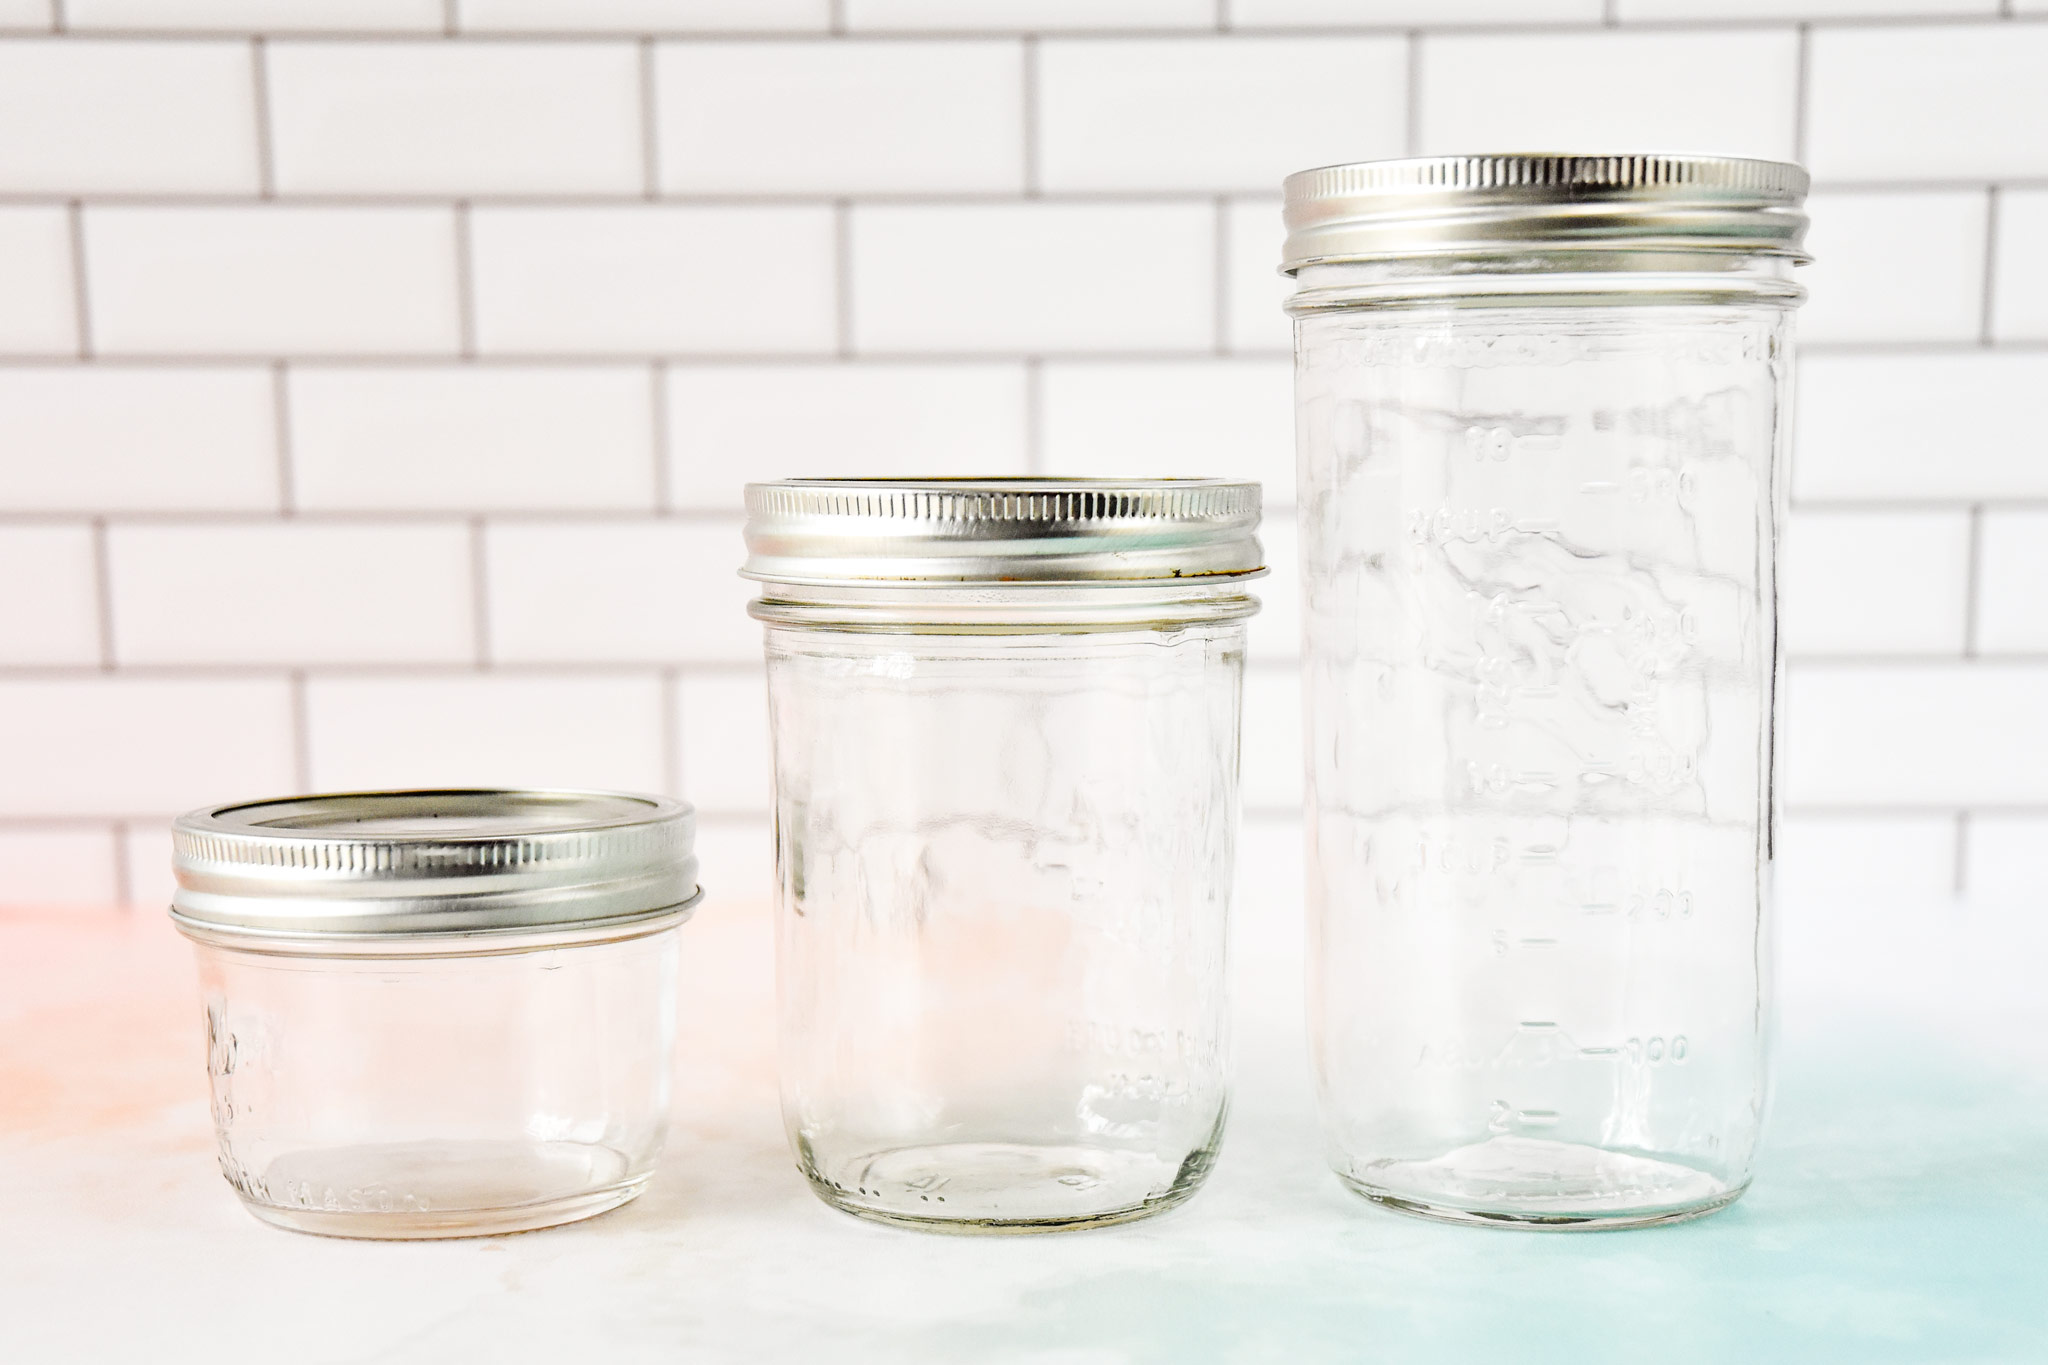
[{"x": 379, "y": 378}]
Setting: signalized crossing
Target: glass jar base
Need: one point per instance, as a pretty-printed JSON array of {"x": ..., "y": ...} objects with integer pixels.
[
  {"x": 1006, "y": 1187},
  {"x": 411, "y": 1191},
  {"x": 1543, "y": 1185}
]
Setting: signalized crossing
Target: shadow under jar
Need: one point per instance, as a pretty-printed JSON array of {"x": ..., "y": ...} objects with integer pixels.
[
  {"x": 1542, "y": 411},
  {"x": 1005, "y": 723},
  {"x": 437, "y": 1013}
]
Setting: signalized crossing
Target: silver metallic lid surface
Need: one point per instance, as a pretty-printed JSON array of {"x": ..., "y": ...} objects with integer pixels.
[
  {"x": 380, "y": 864},
  {"x": 1450, "y": 205},
  {"x": 1001, "y": 530}
]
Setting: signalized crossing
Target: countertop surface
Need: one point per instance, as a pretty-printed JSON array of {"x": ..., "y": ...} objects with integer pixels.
[{"x": 1900, "y": 1211}]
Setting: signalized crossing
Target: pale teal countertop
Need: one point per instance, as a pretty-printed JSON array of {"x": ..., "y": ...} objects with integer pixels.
[{"x": 1900, "y": 1211}]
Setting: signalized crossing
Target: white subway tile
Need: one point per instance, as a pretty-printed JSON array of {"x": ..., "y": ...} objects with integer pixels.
[
  {"x": 2003, "y": 857},
  {"x": 49, "y": 596},
  {"x": 841, "y": 118},
  {"x": 28, "y": 15},
  {"x": 126, "y": 117},
  {"x": 437, "y": 117},
  {"x": 1875, "y": 582},
  {"x": 2012, "y": 583},
  {"x": 730, "y": 425},
  {"x": 111, "y": 438},
  {"x": 38, "y": 305},
  {"x": 1254, "y": 288},
  {"x": 654, "y": 279},
  {"x": 60, "y": 866},
  {"x": 256, "y": 16},
  {"x": 291, "y": 593},
  {"x": 1790, "y": 10},
  {"x": 1919, "y": 426},
  {"x": 1016, "y": 277},
  {"x": 643, "y": 16},
  {"x": 272, "y": 280},
  {"x": 147, "y": 848},
  {"x": 1729, "y": 92},
  {"x": 141, "y": 746},
  {"x": 723, "y": 721},
  {"x": 1916, "y": 734},
  {"x": 1948, "y": 102},
  {"x": 2019, "y": 310},
  {"x": 735, "y": 862},
  {"x": 1821, "y": 859},
  {"x": 472, "y": 437},
  {"x": 1210, "y": 418},
  {"x": 1406, "y": 13},
  {"x": 1272, "y": 762},
  {"x": 1028, "y": 15},
  {"x": 1214, "y": 113},
  {"x": 618, "y": 592},
  {"x": 484, "y": 730},
  {"x": 1275, "y": 633},
  {"x": 1895, "y": 267}
]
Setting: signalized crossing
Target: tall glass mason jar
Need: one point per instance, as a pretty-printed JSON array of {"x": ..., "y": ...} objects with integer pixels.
[
  {"x": 1542, "y": 417},
  {"x": 1005, "y": 727}
]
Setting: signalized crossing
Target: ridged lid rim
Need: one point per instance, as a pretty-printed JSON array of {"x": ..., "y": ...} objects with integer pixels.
[
  {"x": 432, "y": 861},
  {"x": 1000, "y": 530},
  {"x": 1435, "y": 205}
]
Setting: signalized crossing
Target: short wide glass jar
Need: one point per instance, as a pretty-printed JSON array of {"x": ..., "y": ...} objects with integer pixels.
[
  {"x": 1542, "y": 415},
  {"x": 437, "y": 1013},
  {"x": 1005, "y": 722}
]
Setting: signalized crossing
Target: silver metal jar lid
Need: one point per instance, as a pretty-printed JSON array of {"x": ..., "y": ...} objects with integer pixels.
[
  {"x": 1453, "y": 205},
  {"x": 360, "y": 866},
  {"x": 1001, "y": 530}
]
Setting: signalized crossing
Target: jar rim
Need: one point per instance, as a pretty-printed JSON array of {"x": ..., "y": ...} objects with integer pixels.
[{"x": 432, "y": 862}]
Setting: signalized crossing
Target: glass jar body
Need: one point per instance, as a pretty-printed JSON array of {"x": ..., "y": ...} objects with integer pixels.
[
  {"x": 1539, "y": 543},
  {"x": 1004, "y": 866},
  {"x": 440, "y": 1096}
]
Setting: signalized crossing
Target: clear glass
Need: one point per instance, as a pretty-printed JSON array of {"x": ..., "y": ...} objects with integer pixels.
[
  {"x": 1538, "y": 540},
  {"x": 1005, "y": 864},
  {"x": 408, "y": 1097}
]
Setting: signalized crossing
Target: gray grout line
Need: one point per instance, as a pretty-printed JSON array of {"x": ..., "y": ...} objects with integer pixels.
[
  {"x": 302, "y": 732},
  {"x": 479, "y": 594},
  {"x": 1034, "y": 415},
  {"x": 81, "y": 298},
  {"x": 280, "y": 411},
  {"x": 1030, "y": 121},
  {"x": 842, "y": 279},
  {"x": 451, "y": 18},
  {"x": 465, "y": 283},
  {"x": 1610, "y": 13},
  {"x": 1496, "y": 28},
  {"x": 1223, "y": 24},
  {"x": 1962, "y": 853},
  {"x": 1802, "y": 81},
  {"x": 1986, "y": 323},
  {"x": 1411, "y": 131},
  {"x": 1222, "y": 235},
  {"x": 650, "y": 145},
  {"x": 1191, "y": 199},
  {"x": 124, "y": 878},
  {"x": 266, "y": 156},
  {"x": 658, "y": 433},
  {"x": 57, "y": 17},
  {"x": 671, "y": 732},
  {"x": 103, "y": 592},
  {"x": 835, "y": 23},
  {"x": 1973, "y": 574}
]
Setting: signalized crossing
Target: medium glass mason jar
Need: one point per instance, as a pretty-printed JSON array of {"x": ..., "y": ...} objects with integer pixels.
[
  {"x": 1005, "y": 725},
  {"x": 437, "y": 1014},
  {"x": 1542, "y": 430}
]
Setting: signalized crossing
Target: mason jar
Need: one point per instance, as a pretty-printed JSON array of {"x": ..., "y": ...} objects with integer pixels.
[
  {"x": 1005, "y": 731},
  {"x": 1542, "y": 434},
  {"x": 437, "y": 1013}
]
